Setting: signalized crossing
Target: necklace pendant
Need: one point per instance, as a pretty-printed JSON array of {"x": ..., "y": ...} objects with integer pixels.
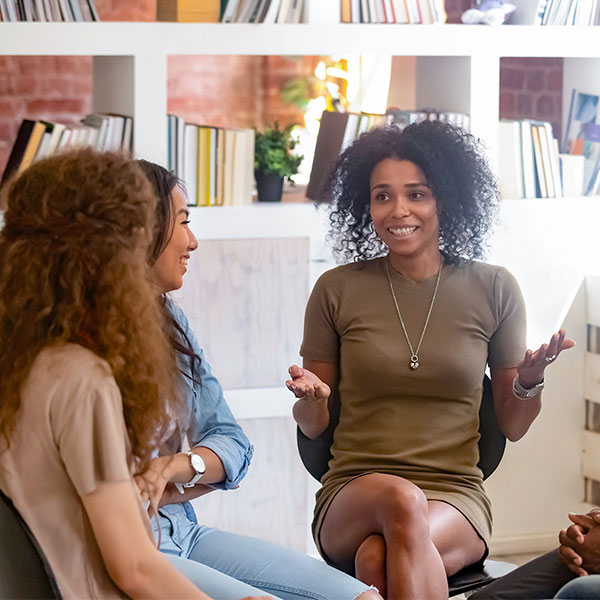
[{"x": 414, "y": 362}]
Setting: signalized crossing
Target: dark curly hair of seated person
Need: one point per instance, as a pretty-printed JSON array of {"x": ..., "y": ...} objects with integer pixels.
[{"x": 456, "y": 169}]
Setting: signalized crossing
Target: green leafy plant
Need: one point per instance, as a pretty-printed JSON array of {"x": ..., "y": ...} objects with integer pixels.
[{"x": 273, "y": 151}]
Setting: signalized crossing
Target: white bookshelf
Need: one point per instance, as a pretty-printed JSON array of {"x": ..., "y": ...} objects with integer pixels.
[
  {"x": 548, "y": 243},
  {"x": 458, "y": 66}
]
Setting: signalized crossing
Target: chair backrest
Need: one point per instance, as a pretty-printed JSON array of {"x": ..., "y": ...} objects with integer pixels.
[
  {"x": 24, "y": 570},
  {"x": 315, "y": 454}
]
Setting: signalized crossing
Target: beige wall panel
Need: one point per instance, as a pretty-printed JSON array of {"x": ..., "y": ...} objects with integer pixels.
[
  {"x": 271, "y": 502},
  {"x": 245, "y": 300}
]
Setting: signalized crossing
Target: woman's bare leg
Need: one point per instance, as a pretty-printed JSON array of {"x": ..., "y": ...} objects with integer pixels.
[
  {"x": 397, "y": 510},
  {"x": 423, "y": 542},
  {"x": 369, "y": 562},
  {"x": 454, "y": 537}
]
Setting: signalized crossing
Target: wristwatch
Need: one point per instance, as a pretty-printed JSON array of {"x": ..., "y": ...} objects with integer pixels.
[
  {"x": 198, "y": 465},
  {"x": 526, "y": 393}
]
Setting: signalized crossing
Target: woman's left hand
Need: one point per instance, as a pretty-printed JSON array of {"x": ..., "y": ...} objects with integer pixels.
[
  {"x": 531, "y": 370},
  {"x": 152, "y": 483}
]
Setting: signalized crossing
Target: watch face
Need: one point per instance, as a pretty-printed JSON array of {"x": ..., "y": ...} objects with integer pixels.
[{"x": 197, "y": 463}]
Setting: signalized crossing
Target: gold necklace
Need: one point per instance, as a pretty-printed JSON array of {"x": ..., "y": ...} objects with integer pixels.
[{"x": 414, "y": 353}]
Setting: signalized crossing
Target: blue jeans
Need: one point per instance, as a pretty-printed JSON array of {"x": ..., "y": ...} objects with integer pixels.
[
  {"x": 227, "y": 566},
  {"x": 580, "y": 588}
]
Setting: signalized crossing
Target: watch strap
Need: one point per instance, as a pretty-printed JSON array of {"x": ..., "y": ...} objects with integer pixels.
[{"x": 526, "y": 393}]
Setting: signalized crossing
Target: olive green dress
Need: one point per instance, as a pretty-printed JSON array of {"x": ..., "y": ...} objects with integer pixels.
[{"x": 418, "y": 424}]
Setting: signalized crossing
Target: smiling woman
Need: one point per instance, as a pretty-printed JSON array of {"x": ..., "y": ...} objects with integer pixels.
[
  {"x": 171, "y": 265},
  {"x": 224, "y": 565},
  {"x": 403, "y": 335}
]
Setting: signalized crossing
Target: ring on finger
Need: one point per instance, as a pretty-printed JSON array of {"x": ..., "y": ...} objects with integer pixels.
[{"x": 549, "y": 359}]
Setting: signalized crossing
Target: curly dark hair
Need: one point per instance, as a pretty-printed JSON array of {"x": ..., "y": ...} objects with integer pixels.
[{"x": 455, "y": 168}]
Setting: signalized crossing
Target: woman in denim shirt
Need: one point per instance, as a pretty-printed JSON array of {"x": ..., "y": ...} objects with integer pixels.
[{"x": 224, "y": 565}]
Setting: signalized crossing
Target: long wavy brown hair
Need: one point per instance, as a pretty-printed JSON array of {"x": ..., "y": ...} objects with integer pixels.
[{"x": 74, "y": 268}]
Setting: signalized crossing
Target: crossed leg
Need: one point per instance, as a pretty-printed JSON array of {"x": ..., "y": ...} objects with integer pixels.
[{"x": 384, "y": 526}]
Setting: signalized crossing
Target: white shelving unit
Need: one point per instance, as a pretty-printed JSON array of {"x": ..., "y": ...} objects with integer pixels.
[{"x": 458, "y": 67}]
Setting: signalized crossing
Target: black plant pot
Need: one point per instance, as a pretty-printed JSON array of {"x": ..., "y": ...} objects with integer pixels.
[{"x": 268, "y": 186}]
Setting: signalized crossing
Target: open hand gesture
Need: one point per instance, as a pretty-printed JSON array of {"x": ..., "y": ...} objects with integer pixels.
[
  {"x": 531, "y": 370},
  {"x": 304, "y": 384}
]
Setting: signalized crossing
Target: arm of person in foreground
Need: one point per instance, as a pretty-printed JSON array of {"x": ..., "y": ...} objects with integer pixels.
[
  {"x": 580, "y": 543},
  {"x": 515, "y": 415},
  {"x": 130, "y": 556},
  {"x": 312, "y": 384}
]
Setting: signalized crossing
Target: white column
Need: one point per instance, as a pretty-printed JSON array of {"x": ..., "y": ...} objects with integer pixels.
[{"x": 136, "y": 86}]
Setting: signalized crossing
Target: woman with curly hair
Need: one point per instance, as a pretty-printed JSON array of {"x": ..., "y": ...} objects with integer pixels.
[
  {"x": 87, "y": 379},
  {"x": 225, "y": 565},
  {"x": 403, "y": 334}
]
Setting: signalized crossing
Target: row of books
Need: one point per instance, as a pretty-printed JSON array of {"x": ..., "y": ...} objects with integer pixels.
[
  {"x": 48, "y": 10},
  {"x": 530, "y": 165},
  {"x": 582, "y": 137},
  {"x": 393, "y": 11},
  {"x": 38, "y": 139},
  {"x": 338, "y": 130},
  {"x": 402, "y": 118},
  {"x": 216, "y": 164},
  {"x": 567, "y": 12},
  {"x": 263, "y": 11}
]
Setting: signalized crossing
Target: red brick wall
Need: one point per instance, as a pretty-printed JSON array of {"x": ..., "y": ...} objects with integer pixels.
[
  {"x": 532, "y": 88},
  {"x": 237, "y": 91}
]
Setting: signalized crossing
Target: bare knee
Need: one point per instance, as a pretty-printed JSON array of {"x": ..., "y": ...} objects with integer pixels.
[{"x": 404, "y": 506}]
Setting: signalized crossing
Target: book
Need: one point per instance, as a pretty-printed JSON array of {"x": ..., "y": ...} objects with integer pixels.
[
  {"x": 591, "y": 153},
  {"x": 583, "y": 109},
  {"x": 65, "y": 9},
  {"x": 190, "y": 161},
  {"x": 542, "y": 188},
  {"x": 510, "y": 162},
  {"x": 188, "y": 11},
  {"x": 400, "y": 11},
  {"x": 284, "y": 8},
  {"x": 527, "y": 153},
  {"x": 571, "y": 174},
  {"x": 57, "y": 132},
  {"x": 93, "y": 10},
  {"x": 553, "y": 156},
  {"x": 545, "y": 147},
  {"x": 245, "y": 10},
  {"x": 346, "y": 11},
  {"x": 76, "y": 10},
  {"x": 230, "y": 11},
  {"x": 35, "y": 137},
  {"x": 336, "y": 131},
  {"x": 18, "y": 149},
  {"x": 326, "y": 11},
  {"x": 272, "y": 10}
]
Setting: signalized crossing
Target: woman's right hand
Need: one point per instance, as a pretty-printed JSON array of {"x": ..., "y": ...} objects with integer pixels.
[{"x": 305, "y": 385}]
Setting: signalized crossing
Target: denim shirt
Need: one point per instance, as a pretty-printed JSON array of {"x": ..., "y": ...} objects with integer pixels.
[{"x": 209, "y": 421}]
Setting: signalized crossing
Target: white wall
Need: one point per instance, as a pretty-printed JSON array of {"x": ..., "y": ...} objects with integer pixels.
[{"x": 549, "y": 245}]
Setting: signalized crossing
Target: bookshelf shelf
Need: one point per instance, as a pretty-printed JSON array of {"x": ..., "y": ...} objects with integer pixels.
[
  {"x": 458, "y": 66},
  {"x": 129, "y": 39}
]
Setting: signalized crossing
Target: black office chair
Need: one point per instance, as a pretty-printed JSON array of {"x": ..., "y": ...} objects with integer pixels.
[
  {"x": 24, "y": 570},
  {"x": 316, "y": 454}
]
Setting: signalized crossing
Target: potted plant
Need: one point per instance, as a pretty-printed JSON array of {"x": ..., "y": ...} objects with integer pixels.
[{"x": 274, "y": 161}]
